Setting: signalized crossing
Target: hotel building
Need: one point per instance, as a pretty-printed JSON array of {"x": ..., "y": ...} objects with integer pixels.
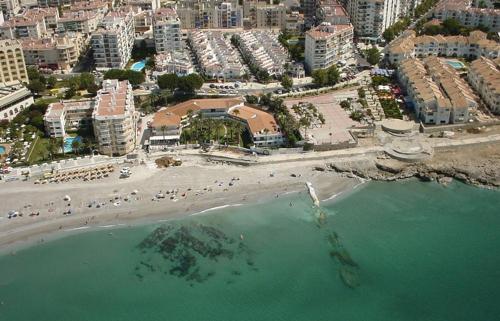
[
  {"x": 13, "y": 99},
  {"x": 468, "y": 14},
  {"x": 167, "y": 124},
  {"x": 12, "y": 61},
  {"x": 370, "y": 18}
]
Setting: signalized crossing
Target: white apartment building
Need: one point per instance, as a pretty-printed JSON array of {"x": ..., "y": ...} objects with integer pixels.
[
  {"x": 13, "y": 99},
  {"x": 174, "y": 62},
  {"x": 100, "y": 7},
  {"x": 484, "y": 77},
  {"x": 167, "y": 30},
  {"x": 294, "y": 23},
  {"x": 331, "y": 11},
  {"x": 65, "y": 115},
  {"x": 113, "y": 41},
  {"x": 114, "y": 118},
  {"x": 370, "y": 18},
  {"x": 12, "y": 61},
  {"x": 328, "y": 44},
  {"x": 263, "y": 48},
  {"x": 215, "y": 54},
  {"x": 438, "y": 94},
  {"x": 56, "y": 53},
  {"x": 467, "y": 14},
  {"x": 473, "y": 46}
]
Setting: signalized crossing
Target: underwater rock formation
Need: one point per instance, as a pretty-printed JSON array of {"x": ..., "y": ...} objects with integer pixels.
[{"x": 186, "y": 248}]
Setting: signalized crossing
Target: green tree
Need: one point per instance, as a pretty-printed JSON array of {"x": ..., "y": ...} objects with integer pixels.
[
  {"x": 345, "y": 104},
  {"x": 286, "y": 82},
  {"x": 388, "y": 35},
  {"x": 373, "y": 56},
  {"x": 93, "y": 89},
  {"x": 333, "y": 75},
  {"x": 134, "y": 77},
  {"x": 36, "y": 86},
  {"x": 320, "y": 77},
  {"x": 86, "y": 80},
  {"x": 70, "y": 92},
  {"x": 190, "y": 83},
  {"x": 51, "y": 82},
  {"x": 168, "y": 81}
]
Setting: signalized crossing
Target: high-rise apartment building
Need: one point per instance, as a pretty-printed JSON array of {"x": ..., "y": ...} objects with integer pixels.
[
  {"x": 167, "y": 30},
  {"x": 328, "y": 44},
  {"x": 114, "y": 118},
  {"x": 113, "y": 41},
  {"x": 370, "y": 18}
]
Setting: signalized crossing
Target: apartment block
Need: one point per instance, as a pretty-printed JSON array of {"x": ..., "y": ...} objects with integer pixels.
[
  {"x": 265, "y": 51},
  {"x": 294, "y": 23},
  {"x": 12, "y": 61},
  {"x": 438, "y": 94},
  {"x": 210, "y": 14},
  {"x": 100, "y": 7},
  {"x": 79, "y": 21},
  {"x": 328, "y": 44},
  {"x": 468, "y": 14},
  {"x": 13, "y": 99},
  {"x": 484, "y": 77},
  {"x": 113, "y": 41},
  {"x": 473, "y": 46},
  {"x": 215, "y": 54},
  {"x": 331, "y": 11},
  {"x": 370, "y": 18},
  {"x": 167, "y": 30},
  {"x": 33, "y": 23},
  {"x": 56, "y": 53},
  {"x": 67, "y": 115},
  {"x": 114, "y": 118},
  {"x": 263, "y": 15}
]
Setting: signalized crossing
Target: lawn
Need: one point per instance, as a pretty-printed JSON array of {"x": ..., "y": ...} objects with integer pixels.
[{"x": 39, "y": 151}]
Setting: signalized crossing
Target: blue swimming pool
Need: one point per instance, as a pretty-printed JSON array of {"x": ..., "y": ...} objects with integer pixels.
[
  {"x": 2, "y": 150},
  {"x": 68, "y": 143},
  {"x": 455, "y": 64},
  {"x": 138, "y": 66}
]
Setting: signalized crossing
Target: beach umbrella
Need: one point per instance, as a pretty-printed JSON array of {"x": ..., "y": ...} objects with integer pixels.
[{"x": 67, "y": 198}]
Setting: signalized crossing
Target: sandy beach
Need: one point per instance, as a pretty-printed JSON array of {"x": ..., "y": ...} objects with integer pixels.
[{"x": 198, "y": 186}]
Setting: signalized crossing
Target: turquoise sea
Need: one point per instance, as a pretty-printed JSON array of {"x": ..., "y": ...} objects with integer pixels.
[{"x": 412, "y": 251}]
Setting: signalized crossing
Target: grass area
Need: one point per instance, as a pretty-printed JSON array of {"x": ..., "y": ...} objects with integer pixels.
[
  {"x": 391, "y": 109},
  {"x": 39, "y": 151}
]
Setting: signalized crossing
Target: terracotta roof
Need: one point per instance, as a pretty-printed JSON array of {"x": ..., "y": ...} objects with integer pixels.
[
  {"x": 165, "y": 118},
  {"x": 194, "y": 105},
  {"x": 258, "y": 121}
]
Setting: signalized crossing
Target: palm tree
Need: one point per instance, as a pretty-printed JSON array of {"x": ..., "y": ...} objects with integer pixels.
[
  {"x": 75, "y": 145},
  {"x": 239, "y": 129}
]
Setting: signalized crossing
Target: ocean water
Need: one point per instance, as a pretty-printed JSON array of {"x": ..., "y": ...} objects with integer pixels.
[{"x": 415, "y": 251}]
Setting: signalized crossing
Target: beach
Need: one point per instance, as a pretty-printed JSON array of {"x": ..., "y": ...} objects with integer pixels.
[{"x": 198, "y": 185}]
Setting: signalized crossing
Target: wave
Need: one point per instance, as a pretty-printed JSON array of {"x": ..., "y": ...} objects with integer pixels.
[
  {"x": 77, "y": 228},
  {"x": 215, "y": 208}
]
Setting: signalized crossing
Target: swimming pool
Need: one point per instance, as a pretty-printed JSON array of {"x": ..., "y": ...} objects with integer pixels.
[
  {"x": 138, "y": 66},
  {"x": 455, "y": 64},
  {"x": 2, "y": 150},
  {"x": 68, "y": 143}
]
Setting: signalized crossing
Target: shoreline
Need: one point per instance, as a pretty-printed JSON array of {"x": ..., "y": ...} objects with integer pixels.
[{"x": 251, "y": 188}]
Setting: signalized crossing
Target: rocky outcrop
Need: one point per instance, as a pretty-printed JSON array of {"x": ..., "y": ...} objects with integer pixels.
[{"x": 486, "y": 173}]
